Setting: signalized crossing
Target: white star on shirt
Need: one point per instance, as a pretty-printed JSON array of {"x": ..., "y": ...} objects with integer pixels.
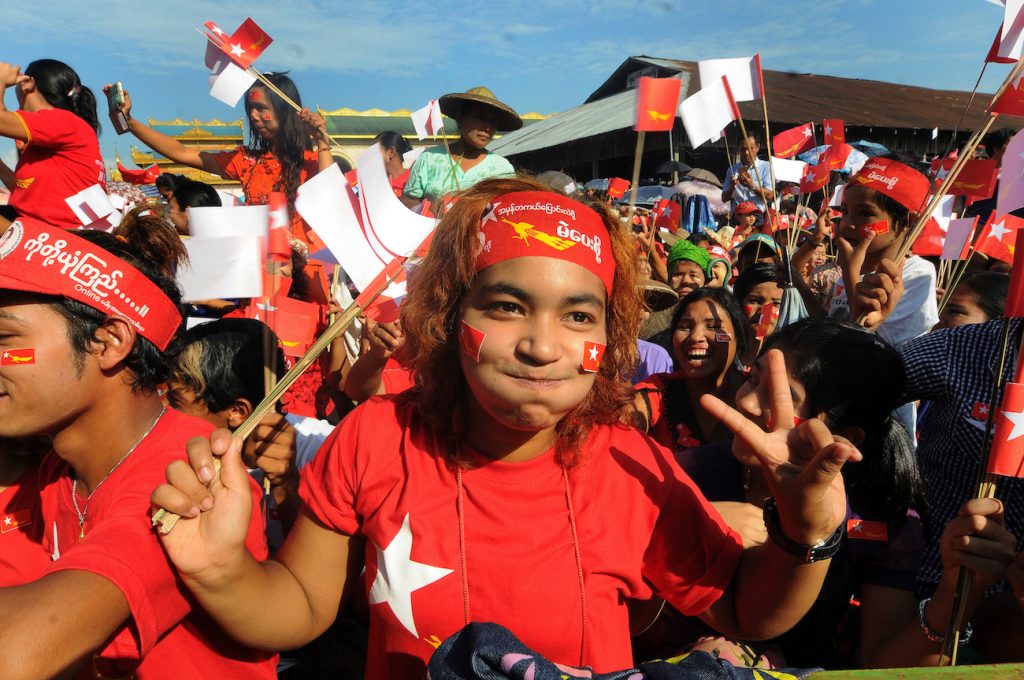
[
  {"x": 398, "y": 576},
  {"x": 236, "y": 49},
  {"x": 1017, "y": 418},
  {"x": 593, "y": 354},
  {"x": 998, "y": 230}
]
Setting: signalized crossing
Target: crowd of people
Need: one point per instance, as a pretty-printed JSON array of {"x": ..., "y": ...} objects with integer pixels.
[{"x": 741, "y": 446}]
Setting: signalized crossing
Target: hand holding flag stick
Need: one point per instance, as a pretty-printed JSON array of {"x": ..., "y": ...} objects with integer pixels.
[{"x": 166, "y": 520}]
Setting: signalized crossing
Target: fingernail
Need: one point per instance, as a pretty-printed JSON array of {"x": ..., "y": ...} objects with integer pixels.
[
  {"x": 205, "y": 474},
  {"x": 207, "y": 503},
  {"x": 193, "y": 511}
]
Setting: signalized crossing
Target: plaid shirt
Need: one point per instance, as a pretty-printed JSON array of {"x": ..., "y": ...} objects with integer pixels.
[{"x": 953, "y": 369}]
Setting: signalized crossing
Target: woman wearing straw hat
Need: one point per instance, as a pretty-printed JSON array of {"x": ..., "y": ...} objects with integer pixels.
[{"x": 443, "y": 169}]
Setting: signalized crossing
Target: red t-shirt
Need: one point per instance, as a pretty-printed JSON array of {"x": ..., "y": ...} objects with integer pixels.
[
  {"x": 397, "y": 183},
  {"x": 261, "y": 175},
  {"x": 60, "y": 158},
  {"x": 396, "y": 378},
  {"x": 168, "y": 631},
  {"x": 639, "y": 518},
  {"x": 22, "y": 558}
]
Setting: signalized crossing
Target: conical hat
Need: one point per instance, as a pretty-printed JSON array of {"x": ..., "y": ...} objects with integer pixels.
[{"x": 508, "y": 119}]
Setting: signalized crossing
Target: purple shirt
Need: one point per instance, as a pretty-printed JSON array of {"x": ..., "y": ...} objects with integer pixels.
[{"x": 653, "y": 359}]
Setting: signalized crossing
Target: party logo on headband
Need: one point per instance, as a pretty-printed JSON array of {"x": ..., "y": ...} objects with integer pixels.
[{"x": 11, "y": 238}]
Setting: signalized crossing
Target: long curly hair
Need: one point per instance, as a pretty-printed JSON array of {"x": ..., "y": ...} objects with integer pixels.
[
  {"x": 431, "y": 309},
  {"x": 293, "y": 139}
]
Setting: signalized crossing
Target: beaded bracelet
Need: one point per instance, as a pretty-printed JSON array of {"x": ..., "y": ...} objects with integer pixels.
[{"x": 932, "y": 635}]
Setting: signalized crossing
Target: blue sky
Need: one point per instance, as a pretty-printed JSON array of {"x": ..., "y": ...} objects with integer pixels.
[{"x": 537, "y": 56}]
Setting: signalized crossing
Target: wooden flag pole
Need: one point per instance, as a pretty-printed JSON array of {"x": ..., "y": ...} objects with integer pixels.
[
  {"x": 768, "y": 146},
  {"x": 954, "y": 280},
  {"x": 166, "y": 520},
  {"x": 637, "y": 157},
  {"x": 985, "y": 488}
]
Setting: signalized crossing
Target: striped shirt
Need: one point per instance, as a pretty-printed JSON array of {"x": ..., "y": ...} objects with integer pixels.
[{"x": 954, "y": 369}]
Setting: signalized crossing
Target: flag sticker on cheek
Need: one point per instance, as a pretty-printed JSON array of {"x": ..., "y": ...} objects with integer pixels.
[
  {"x": 722, "y": 336},
  {"x": 593, "y": 352},
  {"x": 17, "y": 357},
  {"x": 471, "y": 341},
  {"x": 879, "y": 227}
]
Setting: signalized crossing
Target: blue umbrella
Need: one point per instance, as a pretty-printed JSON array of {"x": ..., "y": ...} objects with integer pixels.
[
  {"x": 597, "y": 184},
  {"x": 869, "y": 148}
]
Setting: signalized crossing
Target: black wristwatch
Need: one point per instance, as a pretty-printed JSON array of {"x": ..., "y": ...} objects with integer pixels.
[{"x": 822, "y": 550}]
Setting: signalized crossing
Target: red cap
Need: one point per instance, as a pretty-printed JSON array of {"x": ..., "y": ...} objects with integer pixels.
[
  {"x": 545, "y": 224},
  {"x": 900, "y": 182},
  {"x": 38, "y": 258},
  {"x": 745, "y": 208}
]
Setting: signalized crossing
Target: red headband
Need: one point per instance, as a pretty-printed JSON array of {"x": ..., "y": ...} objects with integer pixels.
[
  {"x": 546, "y": 224},
  {"x": 900, "y": 182},
  {"x": 38, "y": 258}
]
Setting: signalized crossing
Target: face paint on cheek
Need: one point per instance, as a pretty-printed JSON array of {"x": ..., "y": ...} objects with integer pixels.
[
  {"x": 18, "y": 357},
  {"x": 472, "y": 341},
  {"x": 722, "y": 336},
  {"x": 267, "y": 117},
  {"x": 749, "y": 309},
  {"x": 593, "y": 353},
  {"x": 879, "y": 227},
  {"x": 769, "y": 315}
]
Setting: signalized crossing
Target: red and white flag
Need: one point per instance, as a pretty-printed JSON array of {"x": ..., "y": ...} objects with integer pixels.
[
  {"x": 1009, "y": 39},
  {"x": 657, "y": 100},
  {"x": 941, "y": 166},
  {"x": 998, "y": 237},
  {"x": 93, "y": 208},
  {"x": 246, "y": 44},
  {"x": 18, "y": 357},
  {"x": 1015, "y": 295},
  {"x": 428, "y": 121},
  {"x": 593, "y": 352},
  {"x": 228, "y": 82},
  {"x": 796, "y": 140},
  {"x": 143, "y": 176},
  {"x": 706, "y": 113},
  {"x": 1011, "y": 102},
  {"x": 278, "y": 247},
  {"x": 1007, "y": 455},
  {"x": 815, "y": 178},
  {"x": 835, "y": 131},
  {"x": 472, "y": 341},
  {"x": 667, "y": 215},
  {"x": 744, "y": 74}
]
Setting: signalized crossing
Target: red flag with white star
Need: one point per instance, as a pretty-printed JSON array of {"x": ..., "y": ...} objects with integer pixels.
[
  {"x": 472, "y": 341},
  {"x": 1015, "y": 296},
  {"x": 244, "y": 46},
  {"x": 13, "y": 520},
  {"x": 998, "y": 237},
  {"x": 17, "y": 357},
  {"x": 867, "y": 529},
  {"x": 835, "y": 131},
  {"x": 656, "y": 102},
  {"x": 1011, "y": 102},
  {"x": 593, "y": 352},
  {"x": 815, "y": 178},
  {"x": 789, "y": 143},
  {"x": 1007, "y": 455},
  {"x": 667, "y": 215}
]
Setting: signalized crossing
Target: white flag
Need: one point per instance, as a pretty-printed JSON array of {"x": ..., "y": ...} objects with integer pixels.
[
  {"x": 1011, "y": 33},
  {"x": 935, "y": 133},
  {"x": 224, "y": 267},
  {"x": 787, "y": 170},
  {"x": 216, "y": 222},
  {"x": 228, "y": 82},
  {"x": 956, "y": 237},
  {"x": 706, "y": 113},
  {"x": 93, "y": 208},
  {"x": 428, "y": 121},
  {"x": 744, "y": 75}
]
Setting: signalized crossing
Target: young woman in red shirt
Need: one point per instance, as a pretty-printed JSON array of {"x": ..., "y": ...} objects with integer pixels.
[{"x": 504, "y": 487}]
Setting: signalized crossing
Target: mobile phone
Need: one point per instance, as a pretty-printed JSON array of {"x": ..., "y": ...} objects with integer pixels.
[{"x": 115, "y": 98}]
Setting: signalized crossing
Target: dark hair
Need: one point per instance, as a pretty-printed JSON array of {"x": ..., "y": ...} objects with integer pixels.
[
  {"x": 151, "y": 245},
  {"x": 62, "y": 89},
  {"x": 990, "y": 290},
  {"x": 698, "y": 239},
  {"x": 293, "y": 139},
  {"x": 192, "y": 194},
  {"x": 169, "y": 181},
  {"x": 728, "y": 302},
  {"x": 855, "y": 379},
  {"x": 755, "y": 137},
  {"x": 997, "y": 139},
  {"x": 390, "y": 139},
  {"x": 222, "y": 361},
  {"x": 755, "y": 274}
]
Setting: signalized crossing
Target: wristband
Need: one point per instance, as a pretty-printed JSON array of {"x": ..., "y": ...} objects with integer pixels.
[
  {"x": 931, "y": 633},
  {"x": 822, "y": 550}
]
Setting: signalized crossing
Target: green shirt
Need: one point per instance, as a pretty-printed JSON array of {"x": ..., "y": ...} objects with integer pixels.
[{"x": 431, "y": 175}]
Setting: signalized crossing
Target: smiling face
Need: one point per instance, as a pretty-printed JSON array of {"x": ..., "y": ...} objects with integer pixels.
[
  {"x": 37, "y": 395},
  {"x": 535, "y": 314},
  {"x": 477, "y": 125},
  {"x": 860, "y": 208},
  {"x": 704, "y": 341}
]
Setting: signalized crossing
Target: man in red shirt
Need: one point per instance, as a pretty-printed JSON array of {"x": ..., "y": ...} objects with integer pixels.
[{"x": 84, "y": 325}]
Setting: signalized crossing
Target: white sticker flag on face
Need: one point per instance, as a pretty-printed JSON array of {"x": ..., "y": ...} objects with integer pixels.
[
  {"x": 216, "y": 222},
  {"x": 228, "y": 267},
  {"x": 787, "y": 170},
  {"x": 744, "y": 76},
  {"x": 428, "y": 121},
  {"x": 706, "y": 113},
  {"x": 93, "y": 208}
]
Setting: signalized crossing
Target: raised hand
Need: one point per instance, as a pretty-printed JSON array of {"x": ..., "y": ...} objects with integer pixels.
[
  {"x": 215, "y": 507},
  {"x": 10, "y": 74},
  {"x": 801, "y": 463},
  {"x": 126, "y": 105},
  {"x": 386, "y": 339},
  {"x": 874, "y": 298},
  {"x": 316, "y": 125}
]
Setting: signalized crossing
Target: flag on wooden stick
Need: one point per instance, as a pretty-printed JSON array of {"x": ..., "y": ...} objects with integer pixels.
[
  {"x": 789, "y": 143},
  {"x": 706, "y": 113},
  {"x": 656, "y": 102},
  {"x": 744, "y": 74}
]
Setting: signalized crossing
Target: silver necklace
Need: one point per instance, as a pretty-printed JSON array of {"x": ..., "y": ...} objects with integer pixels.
[{"x": 74, "y": 484}]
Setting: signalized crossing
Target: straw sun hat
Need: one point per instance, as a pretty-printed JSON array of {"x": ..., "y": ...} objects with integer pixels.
[{"x": 508, "y": 119}]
